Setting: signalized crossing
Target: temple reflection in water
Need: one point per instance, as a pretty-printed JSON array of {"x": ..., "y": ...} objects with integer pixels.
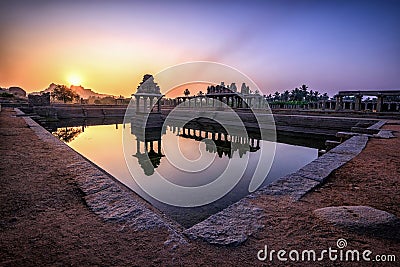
[
  {"x": 215, "y": 137},
  {"x": 148, "y": 148}
]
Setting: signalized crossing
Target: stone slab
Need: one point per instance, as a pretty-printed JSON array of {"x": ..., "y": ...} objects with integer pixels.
[
  {"x": 357, "y": 217},
  {"x": 362, "y": 219},
  {"x": 231, "y": 227},
  {"x": 292, "y": 185}
]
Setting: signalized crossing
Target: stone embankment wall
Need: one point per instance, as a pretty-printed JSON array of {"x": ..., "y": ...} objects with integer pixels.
[
  {"x": 297, "y": 124},
  {"x": 80, "y": 111}
]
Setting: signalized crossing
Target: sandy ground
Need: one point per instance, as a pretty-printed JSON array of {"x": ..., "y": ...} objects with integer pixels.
[{"x": 45, "y": 222}]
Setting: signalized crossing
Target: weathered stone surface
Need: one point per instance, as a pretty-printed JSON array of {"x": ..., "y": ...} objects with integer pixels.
[
  {"x": 292, "y": 185},
  {"x": 353, "y": 146},
  {"x": 377, "y": 125},
  {"x": 364, "y": 130},
  {"x": 360, "y": 218},
  {"x": 231, "y": 226},
  {"x": 384, "y": 134},
  {"x": 354, "y": 215},
  {"x": 320, "y": 168}
]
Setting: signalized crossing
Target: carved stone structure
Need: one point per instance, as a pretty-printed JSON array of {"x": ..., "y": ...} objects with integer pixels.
[
  {"x": 148, "y": 95},
  {"x": 358, "y": 105},
  {"x": 218, "y": 94}
]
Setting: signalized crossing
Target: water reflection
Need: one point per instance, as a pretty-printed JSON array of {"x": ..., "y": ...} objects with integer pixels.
[
  {"x": 148, "y": 149},
  {"x": 214, "y": 136},
  {"x": 67, "y": 134}
]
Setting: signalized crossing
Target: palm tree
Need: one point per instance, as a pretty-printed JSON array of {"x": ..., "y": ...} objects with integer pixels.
[
  {"x": 304, "y": 92},
  {"x": 285, "y": 95},
  {"x": 296, "y": 95},
  {"x": 186, "y": 92},
  {"x": 276, "y": 96},
  {"x": 316, "y": 95},
  {"x": 310, "y": 96}
]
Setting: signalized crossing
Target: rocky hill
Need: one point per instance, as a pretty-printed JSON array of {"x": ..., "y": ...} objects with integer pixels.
[{"x": 84, "y": 93}]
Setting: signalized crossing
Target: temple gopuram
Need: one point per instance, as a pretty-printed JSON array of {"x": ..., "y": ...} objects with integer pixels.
[{"x": 148, "y": 96}]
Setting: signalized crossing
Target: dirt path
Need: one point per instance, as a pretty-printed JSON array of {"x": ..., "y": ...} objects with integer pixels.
[{"x": 44, "y": 222}]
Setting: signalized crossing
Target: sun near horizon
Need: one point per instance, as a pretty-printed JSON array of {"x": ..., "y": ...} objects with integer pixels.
[{"x": 74, "y": 79}]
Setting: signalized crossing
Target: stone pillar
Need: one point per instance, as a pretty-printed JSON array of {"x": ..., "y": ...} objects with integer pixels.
[
  {"x": 339, "y": 103},
  {"x": 358, "y": 102},
  {"x": 151, "y": 103},
  {"x": 137, "y": 103},
  {"x": 137, "y": 146},
  {"x": 379, "y": 104},
  {"x": 144, "y": 104},
  {"x": 159, "y": 147}
]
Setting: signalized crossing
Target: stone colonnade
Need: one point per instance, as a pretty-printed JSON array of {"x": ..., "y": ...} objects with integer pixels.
[
  {"x": 216, "y": 136},
  {"x": 379, "y": 105},
  {"x": 146, "y": 102},
  {"x": 216, "y": 100}
]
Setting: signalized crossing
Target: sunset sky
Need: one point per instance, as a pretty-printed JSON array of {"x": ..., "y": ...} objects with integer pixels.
[{"x": 109, "y": 45}]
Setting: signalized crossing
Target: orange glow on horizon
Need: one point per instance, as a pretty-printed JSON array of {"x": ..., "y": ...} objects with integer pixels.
[{"x": 74, "y": 80}]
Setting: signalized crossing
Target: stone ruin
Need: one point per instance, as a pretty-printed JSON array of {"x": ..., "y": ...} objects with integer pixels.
[{"x": 39, "y": 100}]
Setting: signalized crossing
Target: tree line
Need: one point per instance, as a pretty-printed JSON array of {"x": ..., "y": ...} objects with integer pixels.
[
  {"x": 65, "y": 94},
  {"x": 298, "y": 94}
]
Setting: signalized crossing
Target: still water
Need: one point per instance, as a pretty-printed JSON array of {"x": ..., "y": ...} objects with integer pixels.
[{"x": 103, "y": 145}]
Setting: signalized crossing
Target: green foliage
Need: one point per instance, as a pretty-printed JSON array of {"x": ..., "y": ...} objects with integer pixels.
[
  {"x": 5, "y": 94},
  {"x": 297, "y": 96},
  {"x": 67, "y": 134},
  {"x": 65, "y": 94}
]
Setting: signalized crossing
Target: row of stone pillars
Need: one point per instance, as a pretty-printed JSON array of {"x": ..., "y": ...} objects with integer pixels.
[
  {"x": 147, "y": 145},
  {"x": 217, "y": 101},
  {"x": 151, "y": 99},
  {"x": 216, "y": 136},
  {"x": 357, "y": 105}
]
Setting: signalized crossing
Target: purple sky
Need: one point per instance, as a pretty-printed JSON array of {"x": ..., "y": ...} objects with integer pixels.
[{"x": 328, "y": 45}]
